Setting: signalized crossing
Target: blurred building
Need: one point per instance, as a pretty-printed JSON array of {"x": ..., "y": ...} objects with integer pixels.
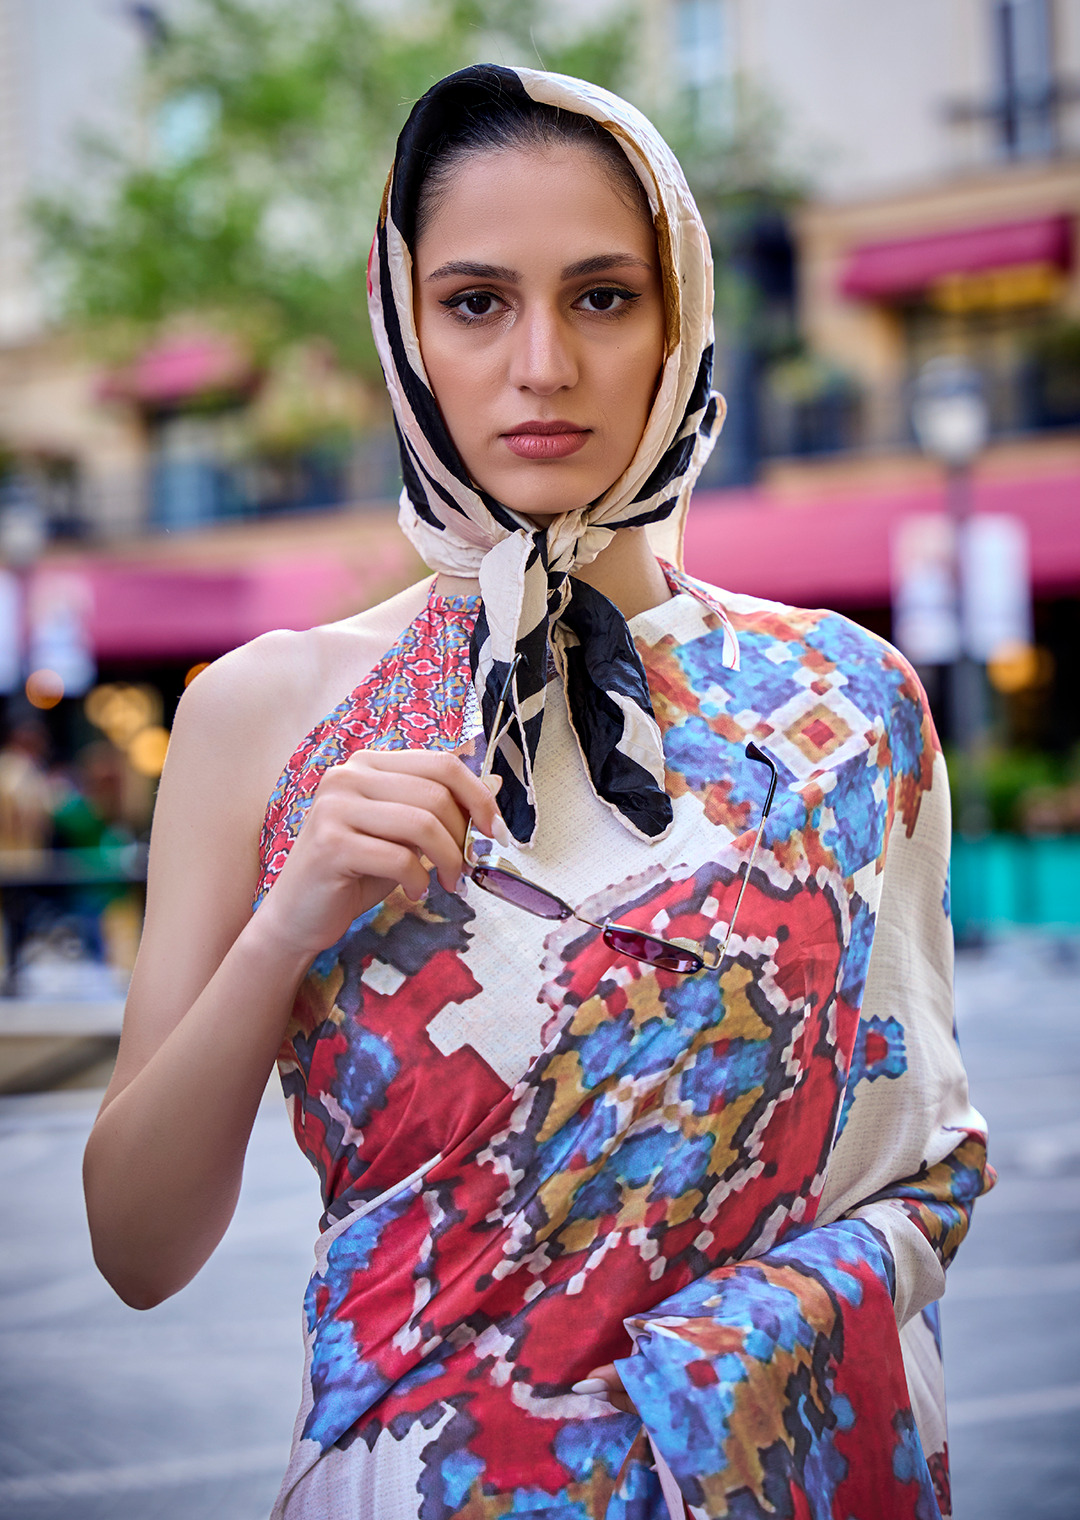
[
  {"x": 67, "y": 67},
  {"x": 171, "y": 485},
  {"x": 938, "y": 146}
]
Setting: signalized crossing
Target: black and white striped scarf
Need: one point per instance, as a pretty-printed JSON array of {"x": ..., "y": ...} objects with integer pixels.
[{"x": 530, "y": 599}]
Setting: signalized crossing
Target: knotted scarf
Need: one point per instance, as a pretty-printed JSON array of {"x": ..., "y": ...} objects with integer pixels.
[{"x": 531, "y": 600}]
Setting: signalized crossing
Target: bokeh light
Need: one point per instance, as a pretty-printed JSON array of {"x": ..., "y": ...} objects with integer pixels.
[
  {"x": 148, "y": 749},
  {"x": 121, "y": 711},
  {"x": 44, "y": 688},
  {"x": 130, "y": 717},
  {"x": 1020, "y": 667}
]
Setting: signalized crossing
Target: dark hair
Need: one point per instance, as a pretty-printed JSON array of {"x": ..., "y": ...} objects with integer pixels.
[{"x": 511, "y": 124}]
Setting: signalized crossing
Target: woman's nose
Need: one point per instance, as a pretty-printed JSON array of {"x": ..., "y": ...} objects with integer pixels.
[{"x": 543, "y": 359}]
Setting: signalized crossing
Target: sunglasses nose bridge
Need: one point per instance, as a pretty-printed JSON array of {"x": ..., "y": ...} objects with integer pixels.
[{"x": 651, "y": 950}]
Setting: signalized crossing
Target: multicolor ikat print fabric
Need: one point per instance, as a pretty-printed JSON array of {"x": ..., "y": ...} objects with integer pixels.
[{"x": 537, "y": 1156}]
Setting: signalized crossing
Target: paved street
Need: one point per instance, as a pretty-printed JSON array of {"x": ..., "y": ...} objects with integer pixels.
[
  {"x": 1011, "y": 1317},
  {"x": 184, "y": 1413}
]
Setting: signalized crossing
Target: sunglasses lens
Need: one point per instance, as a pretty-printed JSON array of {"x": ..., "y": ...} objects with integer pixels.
[
  {"x": 522, "y": 894},
  {"x": 654, "y": 952}
]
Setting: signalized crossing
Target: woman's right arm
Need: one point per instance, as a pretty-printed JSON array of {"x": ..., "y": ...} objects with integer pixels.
[{"x": 214, "y": 984}]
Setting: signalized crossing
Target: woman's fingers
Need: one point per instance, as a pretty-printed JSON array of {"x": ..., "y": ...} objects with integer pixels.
[
  {"x": 369, "y": 824},
  {"x": 468, "y": 791},
  {"x": 405, "y": 790},
  {"x": 379, "y": 820},
  {"x": 372, "y": 861},
  {"x": 605, "y": 1382}
]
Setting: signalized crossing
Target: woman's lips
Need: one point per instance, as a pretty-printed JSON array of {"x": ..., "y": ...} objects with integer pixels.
[{"x": 546, "y": 440}]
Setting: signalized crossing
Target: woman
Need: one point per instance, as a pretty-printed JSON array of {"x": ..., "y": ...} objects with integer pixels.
[{"x": 644, "y": 1148}]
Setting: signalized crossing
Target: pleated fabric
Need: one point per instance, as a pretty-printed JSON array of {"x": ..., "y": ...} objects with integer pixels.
[{"x": 532, "y": 604}]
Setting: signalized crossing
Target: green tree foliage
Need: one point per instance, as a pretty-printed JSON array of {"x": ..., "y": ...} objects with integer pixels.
[{"x": 269, "y": 129}]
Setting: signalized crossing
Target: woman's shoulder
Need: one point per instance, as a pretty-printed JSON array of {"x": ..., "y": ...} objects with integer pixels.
[
  {"x": 830, "y": 659},
  {"x": 309, "y": 665},
  {"x": 257, "y": 702},
  {"x": 783, "y": 622}
]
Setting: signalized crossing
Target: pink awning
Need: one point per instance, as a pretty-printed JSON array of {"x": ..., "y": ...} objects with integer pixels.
[
  {"x": 834, "y": 551},
  {"x": 149, "y": 612},
  {"x": 880, "y": 270},
  {"x": 181, "y": 369},
  {"x": 162, "y": 610}
]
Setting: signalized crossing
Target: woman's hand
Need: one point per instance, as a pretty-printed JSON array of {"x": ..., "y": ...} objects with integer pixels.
[
  {"x": 605, "y": 1383},
  {"x": 373, "y": 821}
]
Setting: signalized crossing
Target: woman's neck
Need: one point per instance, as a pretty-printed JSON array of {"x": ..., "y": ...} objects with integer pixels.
[{"x": 626, "y": 572}]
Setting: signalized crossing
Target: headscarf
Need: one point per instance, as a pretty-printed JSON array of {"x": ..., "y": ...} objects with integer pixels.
[{"x": 530, "y": 600}]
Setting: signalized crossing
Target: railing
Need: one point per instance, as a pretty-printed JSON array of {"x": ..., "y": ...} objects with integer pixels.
[
  {"x": 107, "y": 865},
  {"x": 1032, "y": 398},
  {"x": 50, "y": 898},
  {"x": 1006, "y": 881}
]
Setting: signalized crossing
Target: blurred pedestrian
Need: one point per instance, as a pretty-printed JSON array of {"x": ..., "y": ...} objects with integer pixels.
[
  {"x": 26, "y": 798},
  {"x": 628, "y": 1074},
  {"x": 96, "y": 815},
  {"x": 25, "y": 791}
]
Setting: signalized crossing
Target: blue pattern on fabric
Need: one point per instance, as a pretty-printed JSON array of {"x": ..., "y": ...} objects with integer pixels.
[
  {"x": 879, "y": 1052},
  {"x": 687, "y": 1382},
  {"x": 671, "y": 1131}
]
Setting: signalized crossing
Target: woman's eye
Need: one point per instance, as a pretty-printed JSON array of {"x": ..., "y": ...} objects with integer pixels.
[
  {"x": 474, "y": 303},
  {"x": 607, "y": 299}
]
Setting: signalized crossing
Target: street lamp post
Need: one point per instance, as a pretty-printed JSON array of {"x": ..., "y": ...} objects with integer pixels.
[
  {"x": 951, "y": 421},
  {"x": 23, "y": 534}
]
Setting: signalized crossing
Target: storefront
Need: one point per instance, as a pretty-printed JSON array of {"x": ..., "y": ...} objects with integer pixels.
[{"x": 983, "y": 267}]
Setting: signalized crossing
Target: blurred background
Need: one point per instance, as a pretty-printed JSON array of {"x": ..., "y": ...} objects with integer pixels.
[{"x": 195, "y": 447}]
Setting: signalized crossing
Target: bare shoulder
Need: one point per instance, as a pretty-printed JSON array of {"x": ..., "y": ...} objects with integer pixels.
[
  {"x": 235, "y": 728},
  {"x": 253, "y": 706}
]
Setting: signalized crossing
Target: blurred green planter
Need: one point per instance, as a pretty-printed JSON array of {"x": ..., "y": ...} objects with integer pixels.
[{"x": 1006, "y": 880}]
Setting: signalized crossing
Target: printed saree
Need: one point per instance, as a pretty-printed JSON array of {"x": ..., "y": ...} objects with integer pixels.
[{"x": 537, "y": 1156}]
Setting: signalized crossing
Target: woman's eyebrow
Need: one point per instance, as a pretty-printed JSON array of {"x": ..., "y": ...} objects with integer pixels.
[
  {"x": 469, "y": 271},
  {"x": 599, "y": 263}
]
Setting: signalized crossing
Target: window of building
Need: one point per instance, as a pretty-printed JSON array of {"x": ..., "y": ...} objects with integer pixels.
[
  {"x": 702, "y": 59},
  {"x": 1024, "y": 66}
]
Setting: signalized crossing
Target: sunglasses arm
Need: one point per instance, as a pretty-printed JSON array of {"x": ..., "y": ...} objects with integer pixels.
[
  {"x": 752, "y": 753},
  {"x": 714, "y": 959}
]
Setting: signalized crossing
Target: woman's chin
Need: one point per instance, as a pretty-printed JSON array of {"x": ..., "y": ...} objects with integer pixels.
[{"x": 550, "y": 492}]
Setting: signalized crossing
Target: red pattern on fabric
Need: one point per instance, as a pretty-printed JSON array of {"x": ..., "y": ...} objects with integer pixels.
[{"x": 413, "y": 698}]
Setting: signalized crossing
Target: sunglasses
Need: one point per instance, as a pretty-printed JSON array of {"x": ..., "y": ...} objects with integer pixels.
[{"x": 503, "y": 881}]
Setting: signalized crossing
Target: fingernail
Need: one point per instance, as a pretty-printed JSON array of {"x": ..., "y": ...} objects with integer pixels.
[
  {"x": 493, "y": 783},
  {"x": 500, "y": 832},
  {"x": 590, "y": 1385}
]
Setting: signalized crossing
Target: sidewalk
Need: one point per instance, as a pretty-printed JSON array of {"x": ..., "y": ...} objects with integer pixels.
[
  {"x": 1011, "y": 1316},
  {"x": 180, "y": 1413},
  {"x": 184, "y": 1413}
]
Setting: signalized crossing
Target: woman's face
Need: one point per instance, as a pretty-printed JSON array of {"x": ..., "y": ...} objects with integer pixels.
[{"x": 540, "y": 312}]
